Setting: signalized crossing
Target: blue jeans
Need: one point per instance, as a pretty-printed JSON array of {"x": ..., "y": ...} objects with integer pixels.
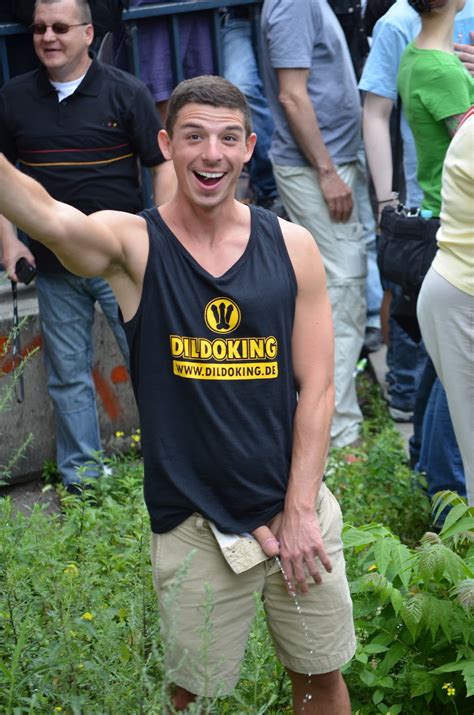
[
  {"x": 373, "y": 285},
  {"x": 406, "y": 361},
  {"x": 66, "y": 308},
  {"x": 440, "y": 458},
  {"x": 240, "y": 68}
]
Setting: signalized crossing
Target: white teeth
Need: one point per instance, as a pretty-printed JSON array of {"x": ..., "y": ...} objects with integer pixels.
[{"x": 210, "y": 174}]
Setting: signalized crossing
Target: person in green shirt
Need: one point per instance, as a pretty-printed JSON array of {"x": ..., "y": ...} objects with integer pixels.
[{"x": 436, "y": 91}]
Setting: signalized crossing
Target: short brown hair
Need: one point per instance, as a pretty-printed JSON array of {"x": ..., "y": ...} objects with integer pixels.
[
  {"x": 207, "y": 89},
  {"x": 423, "y": 7},
  {"x": 83, "y": 8}
]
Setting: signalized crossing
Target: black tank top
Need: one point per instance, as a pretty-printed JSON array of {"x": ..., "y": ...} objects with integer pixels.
[{"x": 212, "y": 374}]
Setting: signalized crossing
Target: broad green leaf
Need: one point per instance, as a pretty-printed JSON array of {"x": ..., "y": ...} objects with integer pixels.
[
  {"x": 404, "y": 560},
  {"x": 464, "y": 524},
  {"x": 375, "y": 648},
  {"x": 443, "y": 499},
  {"x": 393, "y": 656},
  {"x": 367, "y": 677},
  {"x": 382, "y": 554},
  {"x": 453, "y": 516},
  {"x": 468, "y": 674},
  {"x": 356, "y": 537},
  {"x": 397, "y": 600},
  {"x": 378, "y": 696},
  {"x": 421, "y": 685},
  {"x": 454, "y": 667},
  {"x": 386, "y": 681}
]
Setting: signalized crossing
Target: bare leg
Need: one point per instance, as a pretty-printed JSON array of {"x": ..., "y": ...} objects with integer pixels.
[
  {"x": 328, "y": 693},
  {"x": 181, "y": 698}
]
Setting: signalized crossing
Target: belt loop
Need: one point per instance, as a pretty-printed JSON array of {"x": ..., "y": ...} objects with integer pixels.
[{"x": 200, "y": 522}]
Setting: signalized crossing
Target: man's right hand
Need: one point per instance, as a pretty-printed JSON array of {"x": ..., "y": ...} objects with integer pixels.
[
  {"x": 13, "y": 249},
  {"x": 466, "y": 54},
  {"x": 337, "y": 194}
]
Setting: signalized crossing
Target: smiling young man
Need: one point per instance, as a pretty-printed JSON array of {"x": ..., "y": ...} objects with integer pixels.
[{"x": 228, "y": 322}]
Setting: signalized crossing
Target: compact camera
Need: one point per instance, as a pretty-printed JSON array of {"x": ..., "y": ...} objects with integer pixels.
[{"x": 25, "y": 271}]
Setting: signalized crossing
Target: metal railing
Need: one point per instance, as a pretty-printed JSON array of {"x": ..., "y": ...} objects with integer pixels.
[{"x": 171, "y": 11}]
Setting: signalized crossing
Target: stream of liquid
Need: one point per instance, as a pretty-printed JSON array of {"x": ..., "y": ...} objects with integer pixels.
[{"x": 307, "y": 697}]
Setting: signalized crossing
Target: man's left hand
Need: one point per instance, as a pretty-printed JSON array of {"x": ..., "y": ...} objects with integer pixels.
[
  {"x": 301, "y": 544},
  {"x": 298, "y": 542}
]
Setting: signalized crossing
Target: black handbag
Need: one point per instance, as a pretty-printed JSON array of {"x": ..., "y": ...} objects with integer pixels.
[{"x": 406, "y": 247}]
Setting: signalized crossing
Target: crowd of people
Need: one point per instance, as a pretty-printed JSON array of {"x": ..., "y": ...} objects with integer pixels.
[{"x": 243, "y": 324}]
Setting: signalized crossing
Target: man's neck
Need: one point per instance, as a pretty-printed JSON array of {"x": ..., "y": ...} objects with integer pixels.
[
  {"x": 69, "y": 75},
  {"x": 205, "y": 225},
  {"x": 437, "y": 31},
  {"x": 216, "y": 239}
]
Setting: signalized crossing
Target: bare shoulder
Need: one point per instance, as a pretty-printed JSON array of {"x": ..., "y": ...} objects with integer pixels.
[
  {"x": 302, "y": 249},
  {"x": 120, "y": 222}
]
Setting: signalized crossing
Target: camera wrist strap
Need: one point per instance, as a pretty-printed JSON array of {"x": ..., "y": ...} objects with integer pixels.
[{"x": 17, "y": 358}]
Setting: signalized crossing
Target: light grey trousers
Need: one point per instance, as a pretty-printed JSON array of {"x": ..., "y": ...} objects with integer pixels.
[
  {"x": 344, "y": 254},
  {"x": 446, "y": 317}
]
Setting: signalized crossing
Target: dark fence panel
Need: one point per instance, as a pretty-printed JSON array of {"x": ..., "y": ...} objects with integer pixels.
[{"x": 130, "y": 17}]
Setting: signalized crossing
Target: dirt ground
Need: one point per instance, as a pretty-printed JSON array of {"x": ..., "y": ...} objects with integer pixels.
[{"x": 25, "y": 496}]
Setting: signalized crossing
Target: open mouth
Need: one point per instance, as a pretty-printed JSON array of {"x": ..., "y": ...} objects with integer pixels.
[{"x": 209, "y": 178}]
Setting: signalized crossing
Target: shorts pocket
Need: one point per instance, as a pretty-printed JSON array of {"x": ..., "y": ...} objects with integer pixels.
[{"x": 350, "y": 243}]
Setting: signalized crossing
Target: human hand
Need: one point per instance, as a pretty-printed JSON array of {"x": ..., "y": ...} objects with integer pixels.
[
  {"x": 466, "y": 54},
  {"x": 13, "y": 250},
  {"x": 301, "y": 543},
  {"x": 337, "y": 195}
]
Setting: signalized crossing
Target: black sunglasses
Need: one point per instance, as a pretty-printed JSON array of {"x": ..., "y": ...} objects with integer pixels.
[{"x": 59, "y": 28}]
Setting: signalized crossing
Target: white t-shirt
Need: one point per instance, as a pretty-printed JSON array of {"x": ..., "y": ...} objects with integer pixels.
[{"x": 65, "y": 89}]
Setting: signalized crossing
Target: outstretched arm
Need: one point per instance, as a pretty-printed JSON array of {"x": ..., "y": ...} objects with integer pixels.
[{"x": 86, "y": 245}]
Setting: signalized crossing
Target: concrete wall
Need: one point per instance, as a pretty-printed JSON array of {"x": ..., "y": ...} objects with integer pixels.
[{"x": 115, "y": 401}]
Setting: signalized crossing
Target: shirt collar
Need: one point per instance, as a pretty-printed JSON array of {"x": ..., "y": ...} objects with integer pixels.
[{"x": 91, "y": 85}]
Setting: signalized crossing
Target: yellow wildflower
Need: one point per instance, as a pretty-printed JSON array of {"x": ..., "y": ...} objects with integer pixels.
[
  {"x": 87, "y": 616},
  {"x": 119, "y": 434},
  {"x": 450, "y": 689},
  {"x": 136, "y": 437},
  {"x": 71, "y": 569}
]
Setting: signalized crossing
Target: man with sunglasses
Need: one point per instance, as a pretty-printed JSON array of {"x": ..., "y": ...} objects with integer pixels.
[{"x": 78, "y": 127}]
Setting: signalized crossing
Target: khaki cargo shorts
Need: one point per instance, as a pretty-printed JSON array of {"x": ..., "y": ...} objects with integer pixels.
[{"x": 206, "y": 610}]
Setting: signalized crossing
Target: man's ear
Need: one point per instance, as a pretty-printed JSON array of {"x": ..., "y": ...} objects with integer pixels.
[
  {"x": 164, "y": 142},
  {"x": 90, "y": 34},
  {"x": 250, "y": 146}
]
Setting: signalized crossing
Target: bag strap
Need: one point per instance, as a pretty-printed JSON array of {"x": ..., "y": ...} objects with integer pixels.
[{"x": 398, "y": 150}]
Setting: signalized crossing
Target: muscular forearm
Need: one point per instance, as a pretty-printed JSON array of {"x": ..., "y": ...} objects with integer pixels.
[{"x": 310, "y": 447}]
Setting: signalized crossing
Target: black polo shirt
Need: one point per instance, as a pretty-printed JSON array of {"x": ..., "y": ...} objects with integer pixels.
[{"x": 83, "y": 150}]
